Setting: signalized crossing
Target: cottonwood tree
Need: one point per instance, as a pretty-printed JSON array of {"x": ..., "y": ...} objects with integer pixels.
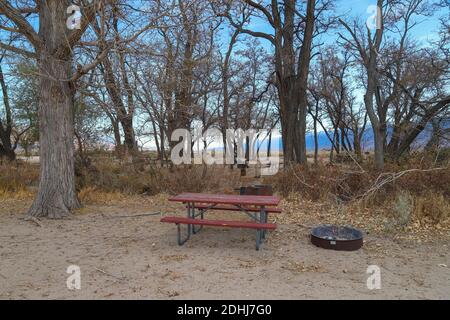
[
  {"x": 52, "y": 47},
  {"x": 337, "y": 100},
  {"x": 178, "y": 81},
  {"x": 88, "y": 129},
  {"x": 115, "y": 75},
  {"x": 250, "y": 98},
  {"x": 97, "y": 96},
  {"x": 426, "y": 89},
  {"x": 366, "y": 43},
  {"x": 294, "y": 25},
  {"x": 151, "y": 102},
  {"x": 423, "y": 99},
  {"x": 196, "y": 26},
  {"x": 44, "y": 25},
  {"x": 385, "y": 55}
]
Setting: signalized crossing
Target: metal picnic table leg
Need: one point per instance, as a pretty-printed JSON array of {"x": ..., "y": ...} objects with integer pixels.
[
  {"x": 202, "y": 216},
  {"x": 260, "y": 233},
  {"x": 180, "y": 240},
  {"x": 265, "y": 220},
  {"x": 190, "y": 214},
  {"x": 258, "y": 239}
]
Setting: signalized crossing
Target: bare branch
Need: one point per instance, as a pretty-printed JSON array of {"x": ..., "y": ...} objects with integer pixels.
[
  {"x": 22, "y": 52},
  {"x": 22, "y": 24}
]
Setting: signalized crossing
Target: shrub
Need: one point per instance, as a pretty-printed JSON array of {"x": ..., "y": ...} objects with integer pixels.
[
  {"x": 433, "y": 206},
  {"x": 401, "y": 211},
  {"x": 348, "y": 183},
  {"x": 110, "y": 175}
]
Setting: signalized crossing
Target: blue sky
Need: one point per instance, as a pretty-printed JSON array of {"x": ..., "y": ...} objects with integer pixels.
[
  {"x": 428, "y": 27},
  {"x": 426, "y": 30}
]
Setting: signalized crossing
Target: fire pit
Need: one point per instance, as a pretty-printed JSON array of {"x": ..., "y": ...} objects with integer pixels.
[{"x": 337, "y": 238}]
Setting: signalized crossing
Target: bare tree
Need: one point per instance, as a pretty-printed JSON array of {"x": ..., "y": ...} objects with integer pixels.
[
  {"x": 387, "y": 74},
  {"x": 368, "y": 47},
  {"x": 52, "y": 45},
  {"x": 53, "y": 48},
  {"x": 291, "y": 58}
]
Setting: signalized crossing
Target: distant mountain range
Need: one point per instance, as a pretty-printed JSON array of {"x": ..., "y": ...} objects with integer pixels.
[{"x": 367, "y": 140}]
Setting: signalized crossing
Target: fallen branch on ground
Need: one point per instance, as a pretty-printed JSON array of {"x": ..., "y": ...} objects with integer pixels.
[
  {"x": 386, "y": 178},
  {"x": 302, "y": 181},
  {"x": 137, "y": 215},
  {"x": 305, "y": 226},
  {"x": 109, "y": 274}
]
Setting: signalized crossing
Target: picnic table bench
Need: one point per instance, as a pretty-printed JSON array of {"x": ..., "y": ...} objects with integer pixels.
[{"x": 198, "y": 204}]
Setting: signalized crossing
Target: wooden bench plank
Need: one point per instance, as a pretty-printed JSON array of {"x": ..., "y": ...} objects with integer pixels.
[
  {"x": 220, "y": 223},
  {"x": 226, "y": 199},
  {"x": 233, "y": 208}
]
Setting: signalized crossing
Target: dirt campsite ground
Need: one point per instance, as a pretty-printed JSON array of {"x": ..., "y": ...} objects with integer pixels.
[{"x": 124, "y": 256}]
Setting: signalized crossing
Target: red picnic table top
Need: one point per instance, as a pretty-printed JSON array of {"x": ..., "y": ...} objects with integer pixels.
[{"x": 226, "y": 199}]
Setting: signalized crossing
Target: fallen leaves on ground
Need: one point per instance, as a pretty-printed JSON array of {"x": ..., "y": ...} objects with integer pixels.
[{"x": 306, "y": 213}]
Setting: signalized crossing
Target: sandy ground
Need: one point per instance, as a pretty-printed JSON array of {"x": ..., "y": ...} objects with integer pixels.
[{"x": 138, "y": 258}]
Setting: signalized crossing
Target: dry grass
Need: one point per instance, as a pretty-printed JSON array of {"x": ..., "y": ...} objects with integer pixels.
[
  {"x": 416, "y": 204},
  {"x": 112, "y": 176},
  {"x": 380, "y": 220},
  {"x": 108, "y": 180},
  {"x": 92, "y": 196},
  {"x": 346, "y": 183},
  {"x": 17, "y": 180},
  {"x": 432, "y": 207}
]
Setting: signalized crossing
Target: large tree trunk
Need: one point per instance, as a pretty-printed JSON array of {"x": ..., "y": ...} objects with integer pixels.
[
  {"x": 117, "y": 138},
  {"x": 6, "y": 148},
  {"x": 288, "y": 122},
  {"x": 393, "y": 144},
  {"x": 7, "y": 153},
  {"x": 302, "y": 86},
  {"x": 300, "y": 146},
  {"x": 379, "y": 133},
  {"x": 357, "y": 145},
  {"x": 434, "y": 142},
  {"x": 379, "y": 146},
  {"x": 57, "y": 195},
  {"x": 53, "y": 46},
  {"x": 129, "y": 136}
]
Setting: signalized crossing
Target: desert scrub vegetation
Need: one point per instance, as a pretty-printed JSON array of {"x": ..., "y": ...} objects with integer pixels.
[
  {"x": 401, "y": 213},
  {"x": 110, "y": 175},
  {"x": 433, "y": 207},
  {"x": 411, "y": 192},
  {"x": 106, "y": 175},
  {"x": 350, "y": 181},
  {"x": 18, "y": 180},
  {"x": 407, "y": 192}
]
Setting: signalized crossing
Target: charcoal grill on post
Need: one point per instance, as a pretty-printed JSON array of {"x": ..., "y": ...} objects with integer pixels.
[
  {"x": 256, "y": 190},
  {"x": 337, "y": 238}
]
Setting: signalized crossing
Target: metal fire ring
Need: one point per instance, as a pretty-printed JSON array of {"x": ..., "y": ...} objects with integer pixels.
[{"x": 340, "y": 238}]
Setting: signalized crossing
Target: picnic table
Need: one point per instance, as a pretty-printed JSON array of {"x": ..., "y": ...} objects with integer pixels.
[{"x": 257, "y": 208}]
